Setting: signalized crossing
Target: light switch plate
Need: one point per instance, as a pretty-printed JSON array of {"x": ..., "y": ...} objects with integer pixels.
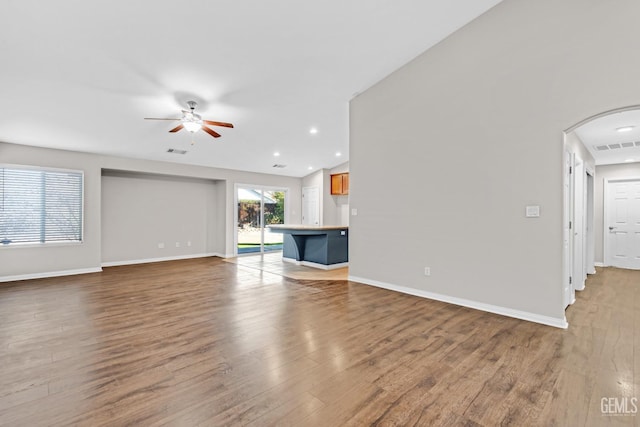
[{"x": 533, "y": 211}]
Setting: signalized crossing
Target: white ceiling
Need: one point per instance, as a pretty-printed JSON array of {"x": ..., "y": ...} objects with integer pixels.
[
  {"x": 621, "y": 146},
  {"x": 82, "y": 75}
]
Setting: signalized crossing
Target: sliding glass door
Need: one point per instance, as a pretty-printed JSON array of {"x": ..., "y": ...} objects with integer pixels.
[{"x": 258, "y": 207}]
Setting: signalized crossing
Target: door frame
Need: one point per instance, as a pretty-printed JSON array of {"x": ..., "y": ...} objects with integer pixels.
[
  {"x": 590, "y": 222},
  {"x": 236, "y": 186},
  {"x": 568, "y": 292},
  {"x": 606, "y": 214},
  {"x": 566, "y": 249},
  {"x": 579, "y": 239}
]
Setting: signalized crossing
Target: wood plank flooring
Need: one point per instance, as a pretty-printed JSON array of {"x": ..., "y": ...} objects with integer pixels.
[
  {"x": 210, "y": 343},
  {"x": 272, "y": 262}
]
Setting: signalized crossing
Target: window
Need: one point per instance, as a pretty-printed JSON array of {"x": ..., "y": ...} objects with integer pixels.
[{"x": 40, "y": 206}]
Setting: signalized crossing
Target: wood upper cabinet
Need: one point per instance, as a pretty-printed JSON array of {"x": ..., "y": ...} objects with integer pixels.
[{"x": 340, "y": 184}]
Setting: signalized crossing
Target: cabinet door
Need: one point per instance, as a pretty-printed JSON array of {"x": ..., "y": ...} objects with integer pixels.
[
  {"x": 336, "y": 184},
  {"x": 345, "y": 183}
]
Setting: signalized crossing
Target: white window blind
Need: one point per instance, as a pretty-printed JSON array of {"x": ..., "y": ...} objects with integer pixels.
[{"x": 39, "y": 206}]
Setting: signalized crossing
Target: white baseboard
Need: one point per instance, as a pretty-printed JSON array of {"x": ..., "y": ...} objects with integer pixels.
[
  {"x": 49, "y": 274},
  {"x": 104, "y": 264},
  {"x": 504, "y": 311},
  {"x": 148, "y": 260},
  {"x": 599, "y": 264}
]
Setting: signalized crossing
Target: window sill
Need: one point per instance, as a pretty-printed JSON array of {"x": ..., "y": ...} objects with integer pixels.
[{"x": 39, "y": 245}]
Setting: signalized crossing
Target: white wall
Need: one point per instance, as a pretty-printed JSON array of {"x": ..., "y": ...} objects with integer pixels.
[
  {"x": 625, "y": 170},
  {"x": 477, "y": 136},
  {"x": 22, "y": 262}
]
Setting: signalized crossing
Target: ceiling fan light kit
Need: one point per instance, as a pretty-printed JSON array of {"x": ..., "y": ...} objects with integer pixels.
[
  {"x": 192, "y": 126},
  {"x": 193, "y": 122}
]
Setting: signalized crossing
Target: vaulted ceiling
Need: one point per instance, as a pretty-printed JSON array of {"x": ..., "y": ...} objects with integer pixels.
[{"x": 82, "y": 75}]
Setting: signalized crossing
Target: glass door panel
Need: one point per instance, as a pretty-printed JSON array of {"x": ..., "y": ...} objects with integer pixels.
[
  {"x": 273, "y": 214},
  {"x": 249, "y": 220},
  {"x": 258, "y": 208}
]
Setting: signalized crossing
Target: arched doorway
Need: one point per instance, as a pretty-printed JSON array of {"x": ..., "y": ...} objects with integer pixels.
[{"x": 599, "y": 152}]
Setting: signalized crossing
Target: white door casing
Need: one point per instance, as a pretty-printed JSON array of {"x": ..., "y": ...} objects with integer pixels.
[
  {"x": 622, "y": 223},
  {"x": 568, "y": 291},
  {"x": 579, "y": 242},
  {"x": 589, "y": 223}
]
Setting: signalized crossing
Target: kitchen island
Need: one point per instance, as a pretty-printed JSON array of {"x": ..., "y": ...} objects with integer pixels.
[{"x": 325, "y": 247}]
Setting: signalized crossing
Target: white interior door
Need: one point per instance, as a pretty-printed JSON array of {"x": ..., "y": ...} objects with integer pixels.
[
  {"x": 622, "y": 223},
  {"x": 310, "y": 206},
  {"x": 579, "y": 272}
]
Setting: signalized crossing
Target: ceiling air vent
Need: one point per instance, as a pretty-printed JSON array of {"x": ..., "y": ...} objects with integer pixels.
[
  {"x": 627, "y": 144},
  {"x": 637, "y": 143},
  {"x": 176, "y": 151},
  {"x": 614, "y": 146},
  {"x": 602, "y": 147},
  {"x": 279, "y": 166}
]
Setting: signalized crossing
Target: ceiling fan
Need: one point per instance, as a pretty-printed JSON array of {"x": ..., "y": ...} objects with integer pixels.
[{"x": 193, "y": 122}]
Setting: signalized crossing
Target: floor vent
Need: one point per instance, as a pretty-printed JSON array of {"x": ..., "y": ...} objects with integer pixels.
[{"x": 176, "y": 151}]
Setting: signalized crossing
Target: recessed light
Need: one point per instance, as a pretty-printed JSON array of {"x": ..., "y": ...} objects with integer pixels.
[
  {"x": 629, "y": 160},
  {"x": 313, "y": 131},
  {"x": 276, "y": 154},
  {"x": 625, "y": 128},
  {"x": 338, "y": 154},
  {"x": 310, "y": 168}
]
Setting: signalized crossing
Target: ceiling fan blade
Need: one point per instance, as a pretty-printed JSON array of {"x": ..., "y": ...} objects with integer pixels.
[
  {"x": 177, "y": 128},
  {"x": 209, "y": 122},
  {"x": 154, "y": 118},
  {"x": 211, "y": 132}
]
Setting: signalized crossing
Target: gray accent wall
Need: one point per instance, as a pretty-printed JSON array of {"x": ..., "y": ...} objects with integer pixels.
[
  {"x": 145, "y": 178},
  {"x": 141, "y": 212},
  {"x": 446, "y": 152}
]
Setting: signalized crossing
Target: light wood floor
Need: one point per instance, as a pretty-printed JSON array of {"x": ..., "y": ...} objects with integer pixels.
[
  {"x": 272, "y": 262},
  {"x": 207, "y": 342}
]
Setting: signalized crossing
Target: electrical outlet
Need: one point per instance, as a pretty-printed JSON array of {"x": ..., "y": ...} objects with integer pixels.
[
  {"x": 189, "y": 243},
  {"x": 160, "y": 245},
  {"x": 427, "y": 271},
  {"x": 177, "y": 244},
  {"x": 354, "y": 212}
]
